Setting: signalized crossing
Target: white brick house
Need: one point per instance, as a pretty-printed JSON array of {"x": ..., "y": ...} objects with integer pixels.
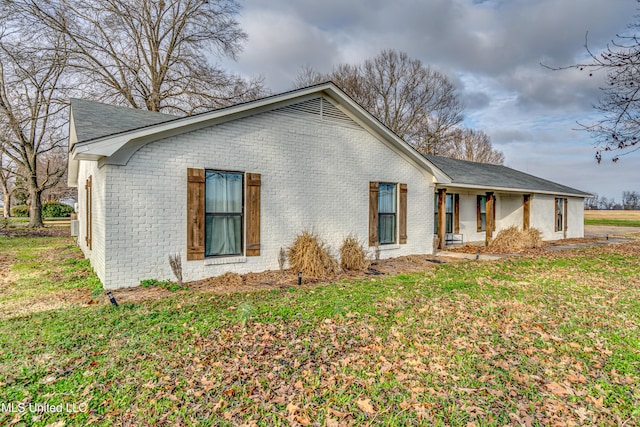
[{"x": 229, "y": 188}]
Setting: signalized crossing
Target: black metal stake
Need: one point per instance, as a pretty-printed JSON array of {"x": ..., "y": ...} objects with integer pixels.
[
  {"x": 112, "y": 298},
  {"x": 299, "y": 278}
]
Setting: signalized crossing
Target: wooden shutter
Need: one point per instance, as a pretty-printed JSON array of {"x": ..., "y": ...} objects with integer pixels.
[
  {"x": 526, "y": 206},
  {"x": 88, "y": 194},
  {"x": 253, "y": 214},
  {"x": 373, "y": 214},
  {"x": 402, "y": 214},
  {"x": 490, "y": 217},
  {"x": 195, "y": 214},
  {"x": 456, "y": 213},
  {"x": 493, "y": 213}
]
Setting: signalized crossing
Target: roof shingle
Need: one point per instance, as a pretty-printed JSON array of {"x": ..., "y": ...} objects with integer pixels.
[
  {"x": 95, "y": 120},
  {"x": 495, "y": 176}
]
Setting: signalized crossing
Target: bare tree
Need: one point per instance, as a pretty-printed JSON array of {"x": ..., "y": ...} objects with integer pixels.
[
  {"x": 7, "y": 182},
  {"x": 618, "y": 132},
  {"x": 149, "y": 54},
  {"x": 416, "y": 102},
  {"x": 591, "y": 203},
  {"x": 631, "y": 200},
  {"x": 31, "y": 117},
  {"x": 472, "y": 145}
]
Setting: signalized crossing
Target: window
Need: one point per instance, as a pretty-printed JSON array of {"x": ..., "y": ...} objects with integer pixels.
[
  {"x": 223, "y": 213},
  {"x": 449, "y": 213},
  {"x": 560, "y": 213},
  {"x": 386, "y": 213},
  {"x": 482, "y": 213}
]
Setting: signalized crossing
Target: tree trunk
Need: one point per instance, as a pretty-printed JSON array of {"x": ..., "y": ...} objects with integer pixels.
[
  {"x": 7, "y": 205},
  {"x": 35, "y": 208}
]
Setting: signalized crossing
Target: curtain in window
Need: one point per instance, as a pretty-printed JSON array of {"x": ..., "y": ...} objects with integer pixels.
[
  {"x": 559, "y": 214},
  {"x": 386, "y": 213},
  {"x": 449, "y": 213},
  {"x": 224, "y": 213}
]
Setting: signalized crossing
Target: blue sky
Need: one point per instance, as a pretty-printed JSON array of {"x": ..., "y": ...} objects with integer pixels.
[{"x": 490, "y": 49}]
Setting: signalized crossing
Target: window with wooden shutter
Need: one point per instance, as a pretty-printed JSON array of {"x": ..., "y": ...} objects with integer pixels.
[
  {"x": 481, "y": 213},
  {"x": 387, "y": 213},
  {"x": 373, "y": 214},
  {"x": 561, "y": 214},
  {"x": 253, "y": 214},
  {"x": 88, "y": 196},
  {"x": 402, "y": 215},
  {"x": 195, "y": 213}
]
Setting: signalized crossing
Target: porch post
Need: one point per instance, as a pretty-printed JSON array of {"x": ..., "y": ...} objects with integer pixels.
[
  {"x": 489, "y": 222},
  {"x": 526, "y": 205},
  {"x": 442, "y": 218}
]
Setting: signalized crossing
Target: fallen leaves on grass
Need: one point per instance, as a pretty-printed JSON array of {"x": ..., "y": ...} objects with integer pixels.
[{"x": 535, "y": 341}]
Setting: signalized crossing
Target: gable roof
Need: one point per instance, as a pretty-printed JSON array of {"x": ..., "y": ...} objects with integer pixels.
[
  {"x": 117, "y": 144},
  {"x": 112, "y": 134},
  {"x": 94, "y": 119},
  {"x": 464, "y": 173}
]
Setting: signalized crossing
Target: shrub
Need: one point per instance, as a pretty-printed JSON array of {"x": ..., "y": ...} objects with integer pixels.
[
  {"x": 353, "y": 257},
  {"x": 20, "y": 211},
  {"x": 56, "y": 210},
  {"x": 311, "y": 255},
  {"x": 533, "y": 237},
  {"x": 513, "y": 239}
]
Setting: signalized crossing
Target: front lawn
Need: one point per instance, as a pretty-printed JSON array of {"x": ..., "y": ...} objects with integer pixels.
[{"x": 544, "y": 340}]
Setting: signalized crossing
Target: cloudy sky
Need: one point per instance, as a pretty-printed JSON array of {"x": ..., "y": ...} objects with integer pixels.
[{"x": 491, "y": 50}]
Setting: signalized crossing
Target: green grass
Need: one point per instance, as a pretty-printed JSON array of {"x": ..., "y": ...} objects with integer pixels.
[
  {"x": 613, "y": 222},
  {"x": 39, "y": 267},
  {"x": 545, "y": 339}
]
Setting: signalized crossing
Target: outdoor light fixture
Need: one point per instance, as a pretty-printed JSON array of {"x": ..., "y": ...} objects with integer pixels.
[
  {"x": 299, "y": 278},
  {"x": 112, "y": 298}
]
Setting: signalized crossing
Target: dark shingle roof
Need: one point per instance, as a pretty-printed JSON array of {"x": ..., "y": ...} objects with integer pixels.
[
  {"x": 94, "y": 119},
  {"x": 496, "y": 176}
]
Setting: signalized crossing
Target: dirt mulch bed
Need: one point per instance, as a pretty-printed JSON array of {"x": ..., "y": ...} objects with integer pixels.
[
  {"x": 36, "y": 232},
  {"x": 273, "y": 279},
  {"x": 473, "y": 249}
]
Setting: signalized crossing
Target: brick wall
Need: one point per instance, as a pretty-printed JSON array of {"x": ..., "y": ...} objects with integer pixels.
[
  {"x": 315, "y": 175},
  {"x": 97, "y": 252}
]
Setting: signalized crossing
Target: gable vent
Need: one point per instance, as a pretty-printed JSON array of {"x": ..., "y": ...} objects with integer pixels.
[{"x": 321, "y": 109}]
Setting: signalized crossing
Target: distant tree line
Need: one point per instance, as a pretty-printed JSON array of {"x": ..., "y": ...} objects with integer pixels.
[{"x": 630, "y": 201}]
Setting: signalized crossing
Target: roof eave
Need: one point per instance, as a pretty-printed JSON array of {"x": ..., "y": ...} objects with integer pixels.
[{"x": 513, "y": 190}]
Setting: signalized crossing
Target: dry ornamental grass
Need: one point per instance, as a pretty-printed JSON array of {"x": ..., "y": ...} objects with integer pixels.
[
  {"x": 352, "y": 255},
  {"x": 513, "y": 239},
  {"x": 310, "y": 255}
]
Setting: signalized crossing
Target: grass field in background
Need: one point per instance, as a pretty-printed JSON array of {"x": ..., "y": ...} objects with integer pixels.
[
  {"x": 612, "y": 218},
  {"x": 547, "y": 340}
]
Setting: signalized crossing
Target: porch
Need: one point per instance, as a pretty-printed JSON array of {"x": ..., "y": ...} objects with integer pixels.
[{"x": 462, "y": 216}]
